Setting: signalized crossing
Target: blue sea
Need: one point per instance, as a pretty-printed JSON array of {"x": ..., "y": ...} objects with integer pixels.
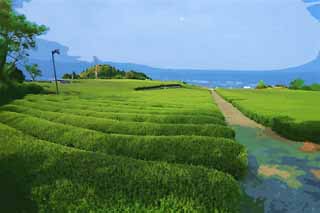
[{"x": 236, "y": 79}]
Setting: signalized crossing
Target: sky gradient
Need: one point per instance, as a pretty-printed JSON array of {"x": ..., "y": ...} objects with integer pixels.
[{"x": 199, "y": 34}]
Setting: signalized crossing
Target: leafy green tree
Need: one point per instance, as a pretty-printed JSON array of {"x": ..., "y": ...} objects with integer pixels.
[
  {"x": 17, "y": 36},
  {"x": 67, "y": 76},
  {"x": 296, "y": 84},
  {"x": 109, "y": 72},
  {"x": 73, "y": 75},
  {"x": 14, "y": 74},
  {"x": 315, "y": 87},
  {"x": 33, "y": 71},
  {"x": 261, "y": 85}
]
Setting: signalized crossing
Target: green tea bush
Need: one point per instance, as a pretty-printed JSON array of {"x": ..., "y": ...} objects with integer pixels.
[
  {"x": 131, "y": 128},
  {"x": 303, "y": 131},
  {"x": 173, "y": 119},
  {"x": 80, "y": 104},
  {"x": 11, "y": 91},
  {"x": 52, "y": 178},
  {"x": 161, "y": 86},
  {"x": 219, "y": 153}
]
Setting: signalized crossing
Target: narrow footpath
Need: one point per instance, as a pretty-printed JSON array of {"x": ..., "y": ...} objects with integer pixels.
[
  {"x": 281, "y": 177},
  {"x": 233, "y": 115}
]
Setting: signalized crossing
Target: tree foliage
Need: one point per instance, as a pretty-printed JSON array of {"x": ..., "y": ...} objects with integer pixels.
[
  {"x": 108, "y": 72},
  {"x": 296, "y": 84},
  {"x": 14, "y": 74},
  {"x": 261, "y": 85},
  {"x": 73, "y": 75},
  {"x": 33, "y": 71},
  {"x": 17, "y": 35}
]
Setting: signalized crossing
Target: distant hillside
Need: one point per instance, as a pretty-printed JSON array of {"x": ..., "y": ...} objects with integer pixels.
[{"x": 106, "y": 71}]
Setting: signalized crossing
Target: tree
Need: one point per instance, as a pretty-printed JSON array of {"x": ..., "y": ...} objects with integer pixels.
[
  {"x": 33, "y": 71},
  {"x": 14, "y": 74},
  {"x": 315, "y": 87},
  {"x": 261, "y": 85},
  {"x": 17, "y": 36},
  {"x": 72, "y": 76},
  {"x": 67, "y": 76},
  {"x": 296, "y": 84}
]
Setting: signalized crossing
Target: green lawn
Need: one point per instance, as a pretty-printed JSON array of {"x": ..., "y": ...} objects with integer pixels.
[
  {"x": 102, "y": 146},
  {"x": 293, "y": 113}
]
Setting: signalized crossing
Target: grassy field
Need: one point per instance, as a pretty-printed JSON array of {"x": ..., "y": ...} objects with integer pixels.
[
  {"x": 102, "y": 146},
  {"x": 292, "y": 113}
]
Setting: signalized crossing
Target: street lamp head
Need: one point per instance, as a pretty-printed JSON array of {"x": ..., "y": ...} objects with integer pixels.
[{"x": 56, "y": 51}]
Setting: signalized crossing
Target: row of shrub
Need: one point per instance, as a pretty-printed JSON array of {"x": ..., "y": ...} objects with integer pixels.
[
  {"x": 285, "y": 126},
  {"x": 219, "y": 153},
  {"x": 10, "y": 91},
  {"x": 119, "y": 107},
  {"x": 161, "y": 86},
  {"x": 302, "y": 131},
  {"x": 111, "y": 108},
  {"x": 140, "y": 102},
  {"x": 161, "y": 119},
  {"x": 128, "y": 128},
  {"x": 125, "y": 101},
  {"x": 37, "y": 176}
]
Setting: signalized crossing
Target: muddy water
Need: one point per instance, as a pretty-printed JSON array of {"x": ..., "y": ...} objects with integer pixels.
[{"x": 281, "y": 177}]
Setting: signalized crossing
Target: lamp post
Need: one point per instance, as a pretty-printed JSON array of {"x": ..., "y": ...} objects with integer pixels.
[{"x": 56, "y": 51}]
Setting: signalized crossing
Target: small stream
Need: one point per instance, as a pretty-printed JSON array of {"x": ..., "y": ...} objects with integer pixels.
[{"x": 281, "y": 178}]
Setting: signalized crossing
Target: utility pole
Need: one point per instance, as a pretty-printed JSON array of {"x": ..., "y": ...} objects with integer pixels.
[{"x": 56, "y": 51}]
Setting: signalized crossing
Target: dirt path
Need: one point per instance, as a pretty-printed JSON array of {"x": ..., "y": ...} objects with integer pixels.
[
  {"x": 235, "y": 117},
  {"x": 232, "y": 114}
]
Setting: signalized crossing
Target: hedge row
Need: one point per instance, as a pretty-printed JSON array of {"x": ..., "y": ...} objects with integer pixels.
[
  {"x": 285, "y": 126},
  {"x": 37, "y": 176},
  {"x": 110, "y": 108},
  {"x": 173, "y": 119},
  {"x": 161, "y": 86},
  {"x": 124, "y": 101},
  {"x": 11, "y": 91},
  {"x": 309, "y": 130},
  {"x": 128, "y": 128},
  {"x": 219, "y": 153}
]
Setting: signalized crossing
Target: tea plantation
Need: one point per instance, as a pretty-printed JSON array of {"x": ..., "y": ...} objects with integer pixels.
[
  {"x": 102, "y": 146},
  {"x": 294, "y": 114}
]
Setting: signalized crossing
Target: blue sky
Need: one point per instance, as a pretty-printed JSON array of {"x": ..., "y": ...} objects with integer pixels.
[{"x": 202, "y": 34}]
